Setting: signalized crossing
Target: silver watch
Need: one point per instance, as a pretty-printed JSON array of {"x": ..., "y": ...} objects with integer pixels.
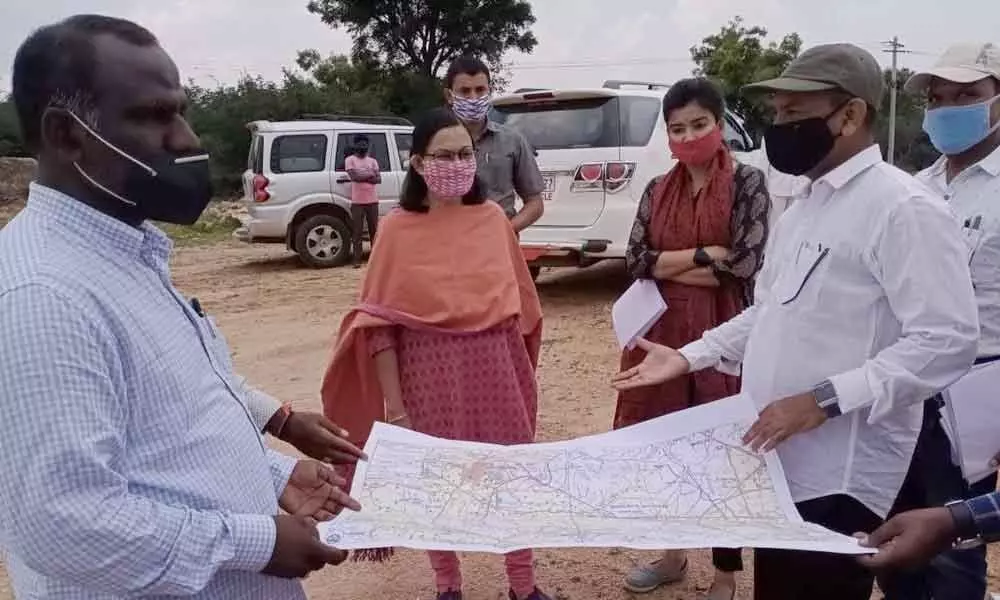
[{"x": 826, "y": 398}]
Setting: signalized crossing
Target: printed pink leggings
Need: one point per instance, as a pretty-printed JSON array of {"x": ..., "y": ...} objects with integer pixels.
[{"x": 520, "y": 572}]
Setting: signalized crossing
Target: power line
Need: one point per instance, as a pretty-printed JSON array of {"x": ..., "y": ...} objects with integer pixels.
[{"x": 895, "y": 48}]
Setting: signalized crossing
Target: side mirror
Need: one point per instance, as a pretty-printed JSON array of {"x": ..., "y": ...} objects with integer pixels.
[{"x": 738, "y": 145}]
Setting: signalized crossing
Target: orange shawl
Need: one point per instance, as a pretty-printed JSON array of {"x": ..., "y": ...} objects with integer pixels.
[{"x": 455, "y": 268}]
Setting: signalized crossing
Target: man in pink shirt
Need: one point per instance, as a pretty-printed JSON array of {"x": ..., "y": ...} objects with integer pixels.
[{"x": 365, "y": 177}]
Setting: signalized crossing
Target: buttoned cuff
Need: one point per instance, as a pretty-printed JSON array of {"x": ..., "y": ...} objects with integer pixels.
[
  {"x": 701, "y": 356},
  {"x": 282, "y": 466},
  {"x": 262, "y": 407},
  {"x": 852, "y": 390},
  {"x": 253, "y": 542}
]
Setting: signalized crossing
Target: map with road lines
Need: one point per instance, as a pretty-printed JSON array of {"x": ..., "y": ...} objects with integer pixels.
[{"x": 681, "y": 481}]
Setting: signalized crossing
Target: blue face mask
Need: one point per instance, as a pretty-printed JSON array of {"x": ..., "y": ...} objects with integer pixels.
[{"x": 955, "y": 129}]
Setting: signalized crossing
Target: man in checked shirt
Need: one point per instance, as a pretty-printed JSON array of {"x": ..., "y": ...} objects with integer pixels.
[{"x": 133, "y": 459}]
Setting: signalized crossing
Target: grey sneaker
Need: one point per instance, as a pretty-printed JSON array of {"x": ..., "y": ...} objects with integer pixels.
[{"x": 647, "y": 578}]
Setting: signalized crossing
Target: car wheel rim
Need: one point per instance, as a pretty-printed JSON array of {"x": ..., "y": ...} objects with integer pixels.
[{"x": 324, "y": 242}]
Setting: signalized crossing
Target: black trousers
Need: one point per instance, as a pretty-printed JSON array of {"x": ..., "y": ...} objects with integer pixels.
[
  {"x": 727, "y": 560},
  {"x": 799, "y": 575},
  {"x": 359, "y": 214},
  {"x": 933, "y": 480}
]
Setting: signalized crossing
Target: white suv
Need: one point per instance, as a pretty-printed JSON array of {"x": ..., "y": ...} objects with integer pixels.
[
  {"x": 598, "y": 150},
  {"x": 297, "y": 190}
]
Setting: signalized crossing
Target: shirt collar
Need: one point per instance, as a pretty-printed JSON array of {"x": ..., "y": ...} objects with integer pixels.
[
  {"x": 854, "y": 166},
  {"x": 97, "y": 228},
  {"x": 990, "y": 164}
]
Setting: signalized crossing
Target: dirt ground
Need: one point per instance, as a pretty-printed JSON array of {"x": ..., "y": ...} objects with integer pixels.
[{"x": 279, "y": 319}]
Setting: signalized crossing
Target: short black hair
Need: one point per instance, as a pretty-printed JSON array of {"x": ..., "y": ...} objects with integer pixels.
[
  {"x": 466, "y": 65},
  {"x": 360, "y": 137},
  {"x": 56, "y": 66},
  {"x": 699, "y": 90},
  {"x": 414, "y": 195}
]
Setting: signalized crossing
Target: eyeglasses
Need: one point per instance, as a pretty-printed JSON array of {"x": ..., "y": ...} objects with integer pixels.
[{"x": 448, "y": 155}]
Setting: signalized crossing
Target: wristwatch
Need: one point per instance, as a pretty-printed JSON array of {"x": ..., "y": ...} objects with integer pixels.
[
  {"x": 966, "y": 535},
  {"x": 702, "y": 258},
  {"x": 826, "y": 398},
  {"x": 283, "y": 415}
]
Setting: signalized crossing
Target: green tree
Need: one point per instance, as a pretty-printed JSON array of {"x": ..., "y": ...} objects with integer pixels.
[
  {"x": 220, "y": 115},
  {"x": 425, "y": 35},
  {"x": 739, "y": 55}
]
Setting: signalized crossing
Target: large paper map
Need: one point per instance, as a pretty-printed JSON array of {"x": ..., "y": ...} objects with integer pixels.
[{"x": 680, "y": 481}]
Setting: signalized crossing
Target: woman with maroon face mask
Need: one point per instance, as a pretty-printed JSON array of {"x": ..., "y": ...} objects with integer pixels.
[{"x": 699, "y": 233}]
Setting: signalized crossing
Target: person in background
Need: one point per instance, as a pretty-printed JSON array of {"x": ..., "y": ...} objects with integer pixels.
[
  {"x": 864, "y": 309},
  {"x": 365, "y": 177},
  {"x": 963, "y": 122},
  {"x": 505, "y": 161},
  {"x": 699, "y": 233},
  {"x": 444, "y": 340},
  {"x": 132, "y": 464},
  {"x": 911, "y": 539},
  {"x": 781, "y": 187}
]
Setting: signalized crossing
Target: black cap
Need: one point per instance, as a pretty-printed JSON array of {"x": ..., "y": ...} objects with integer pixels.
[{"x": 842, "y": 67}]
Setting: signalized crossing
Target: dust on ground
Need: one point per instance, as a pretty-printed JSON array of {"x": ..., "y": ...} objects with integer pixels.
[
  {"x": 15, "y": 174},
  {"x": 279, "y": 319}
]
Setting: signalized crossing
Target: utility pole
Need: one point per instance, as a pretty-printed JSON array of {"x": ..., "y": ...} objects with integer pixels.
[{"x": 895, "y": 48}]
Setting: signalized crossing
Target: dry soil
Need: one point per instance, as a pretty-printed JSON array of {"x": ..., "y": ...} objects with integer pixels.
[{"x": 279, "y": 319}]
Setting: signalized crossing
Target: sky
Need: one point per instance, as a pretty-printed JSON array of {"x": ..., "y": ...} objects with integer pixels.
[{"x": 581, "y": 42}]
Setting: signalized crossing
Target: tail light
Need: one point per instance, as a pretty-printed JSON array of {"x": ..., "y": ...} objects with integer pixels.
[
  {"x": 260, "y": 193},
  {"x": 608, "y": 176}
]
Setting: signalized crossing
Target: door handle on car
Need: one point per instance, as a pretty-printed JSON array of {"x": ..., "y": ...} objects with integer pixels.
[{"x": 343, "y": 180}]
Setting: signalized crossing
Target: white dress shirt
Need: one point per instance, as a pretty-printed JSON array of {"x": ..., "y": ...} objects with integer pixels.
[
  {"x": 974, "y": 196},
  {"x": 866, "y": 284}
]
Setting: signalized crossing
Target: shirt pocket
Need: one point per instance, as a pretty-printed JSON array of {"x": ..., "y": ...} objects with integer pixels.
[
  {"x": 984, "y": 258},
  {"x": 799, "y": 272},
  {"x": 499, "y": 172}
]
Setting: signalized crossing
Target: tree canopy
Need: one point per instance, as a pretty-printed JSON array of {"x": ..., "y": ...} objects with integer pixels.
[
  {"x": 739, "y": 55},
  {"x": 426, "y": 35}
]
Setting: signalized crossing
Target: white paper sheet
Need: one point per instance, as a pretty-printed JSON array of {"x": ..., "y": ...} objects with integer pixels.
[
  {"x": 972, "y": 415},
  {"x": 681, "y": 481},
  {"x": 636, "y": 311}
]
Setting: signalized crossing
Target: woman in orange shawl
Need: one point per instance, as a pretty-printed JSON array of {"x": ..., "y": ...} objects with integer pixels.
[
  {"x": 445, "y": 339},
  {"x": 699, "y": 233}
]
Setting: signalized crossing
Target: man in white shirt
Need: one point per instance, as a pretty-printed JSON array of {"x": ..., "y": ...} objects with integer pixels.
[
  {"x": 864, "y": 309},
  {"x": 963, "y": 122}
]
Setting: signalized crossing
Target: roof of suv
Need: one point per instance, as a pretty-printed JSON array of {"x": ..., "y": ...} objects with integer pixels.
[
  {"x": 574, "y": 94},
  {"x": 641, "y": 89},
  {"x": 321, "y": 125}
]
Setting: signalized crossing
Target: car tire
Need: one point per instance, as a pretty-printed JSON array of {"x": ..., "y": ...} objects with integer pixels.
[
  {"x": 535, "y": 272},
  {"x": 323, "y": 241}
]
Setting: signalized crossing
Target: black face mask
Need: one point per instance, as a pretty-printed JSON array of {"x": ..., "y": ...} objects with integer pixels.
[
  {"x": 167, "y": 187},
  {"x": 797, "y": 147}
]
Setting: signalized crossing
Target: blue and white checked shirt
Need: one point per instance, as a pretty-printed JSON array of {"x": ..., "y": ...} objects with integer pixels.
[{"x": 131, "y": 466}]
